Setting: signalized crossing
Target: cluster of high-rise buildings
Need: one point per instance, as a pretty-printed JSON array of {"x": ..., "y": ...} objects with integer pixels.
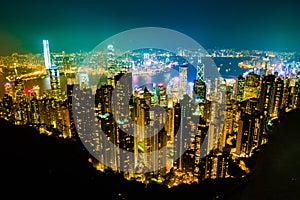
[{"x": 191, "y": 135}]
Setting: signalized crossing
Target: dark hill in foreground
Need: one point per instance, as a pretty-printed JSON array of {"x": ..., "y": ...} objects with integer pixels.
[
  {"x": 33, "y": 165},
  {"x": 276, "y": 170},
  {"x": 40, "y": 166}
]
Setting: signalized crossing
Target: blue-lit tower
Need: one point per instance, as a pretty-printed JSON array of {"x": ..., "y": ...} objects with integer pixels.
[{"x": 53, "y": 72}]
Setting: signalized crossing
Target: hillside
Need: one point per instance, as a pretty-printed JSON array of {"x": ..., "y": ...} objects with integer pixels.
[
  {"x": 33, "y": 165},
  {"x": 275, "y": 173}
]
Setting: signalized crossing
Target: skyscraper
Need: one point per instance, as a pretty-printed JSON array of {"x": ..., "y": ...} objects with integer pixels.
[
  {"x": 200, "y": 90},
  {"x": 21, "y": 107},
  {"x": 200, "y": 70},
  {"x": 110, "y": 60},
  {"x": 183, "y": 80},
  {"x": 53, "y": 72},
  {"x": 239, "y": 88},
  {"x": 277, "y": 97},
  {"x": 47, "y": 54},
  {"x": 251, "y": 89},
  {"x": 266, "y": 95}
]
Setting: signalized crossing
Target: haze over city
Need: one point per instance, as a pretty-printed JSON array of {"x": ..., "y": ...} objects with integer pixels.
[{"x": 81, "y": 25}]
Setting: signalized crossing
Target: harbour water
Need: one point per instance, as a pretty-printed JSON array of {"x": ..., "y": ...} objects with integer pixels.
[{"x": 228, "y": 68}]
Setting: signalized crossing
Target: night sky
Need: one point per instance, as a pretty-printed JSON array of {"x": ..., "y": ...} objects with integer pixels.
[{"x": 83, "y": 24}]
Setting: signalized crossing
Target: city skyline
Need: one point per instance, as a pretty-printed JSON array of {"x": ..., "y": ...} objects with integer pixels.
[
  {"x": 169, "y": 134},
  {"x": 81, "y": 25},
  {"x": 162, "y": 98}
]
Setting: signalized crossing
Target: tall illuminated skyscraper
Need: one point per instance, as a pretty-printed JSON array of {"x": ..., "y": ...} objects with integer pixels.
[
  {"x": 110, "y": 60},
  {"x": 252, "y": 86},
  {"x": 21, "y": 106},
  {"x": 47, "y": 54},
  {"x": 183, "y": 80},
  {"x": 239, "y": 88},
  {"x": 199, "y": 82},
  {"x": 162, "y": 95},
  {"x": 265, "y": 99},
  {"x": 200, "y": 90},
  {"x": 52, "y": 71},
  {"x": 277, "y": 97},
  {"x": 200, "y": 69}
]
